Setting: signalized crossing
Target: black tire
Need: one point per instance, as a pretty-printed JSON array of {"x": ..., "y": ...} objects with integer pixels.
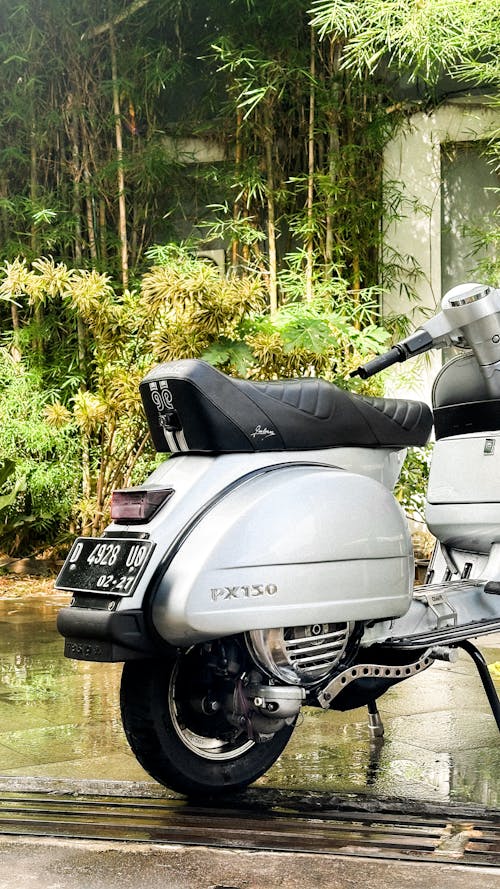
[{"x": 192, "y": 753}]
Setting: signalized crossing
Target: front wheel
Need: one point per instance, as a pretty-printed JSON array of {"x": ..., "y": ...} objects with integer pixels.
[{"x": 178, "y": 731}]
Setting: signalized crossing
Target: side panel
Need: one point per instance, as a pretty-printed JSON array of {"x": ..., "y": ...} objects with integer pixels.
[
  {"x": 466, "y": 469},
  {"x": 463, "y": 497},
  {"x": 361, "y": 583},
  {"x": 294, "y": 545},
  {"x": 197, "y": 480}
]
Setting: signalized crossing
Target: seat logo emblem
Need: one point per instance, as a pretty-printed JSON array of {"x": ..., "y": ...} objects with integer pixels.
[
  {"x": 262, "y": 431},
  {"x": 161, "y": 395}
]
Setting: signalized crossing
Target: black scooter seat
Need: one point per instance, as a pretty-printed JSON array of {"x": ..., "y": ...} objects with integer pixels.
[{"x": 192, "y": 407}]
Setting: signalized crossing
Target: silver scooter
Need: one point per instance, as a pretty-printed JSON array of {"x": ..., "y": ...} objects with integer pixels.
[{"x": 266, "y": 565}]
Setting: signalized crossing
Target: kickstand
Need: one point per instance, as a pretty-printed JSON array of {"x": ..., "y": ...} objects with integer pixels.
[
  {"x": 488, "y": 684},
  {"x": 376, "y": 729},
  {"x": 375, "y": 724}
]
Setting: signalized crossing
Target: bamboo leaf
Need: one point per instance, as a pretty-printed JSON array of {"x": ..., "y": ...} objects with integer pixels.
[{"x": 7, "y": 468}]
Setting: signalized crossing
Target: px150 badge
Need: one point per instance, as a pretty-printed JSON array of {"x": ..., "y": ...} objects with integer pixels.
[{"x": 243, "y": 592}]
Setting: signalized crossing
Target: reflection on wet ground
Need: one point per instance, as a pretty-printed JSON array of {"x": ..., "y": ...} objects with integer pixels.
[{"x": 60, "y": 719}]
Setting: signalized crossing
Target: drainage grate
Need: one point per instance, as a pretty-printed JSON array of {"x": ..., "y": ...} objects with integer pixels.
[{"x": 393, "y": 835}]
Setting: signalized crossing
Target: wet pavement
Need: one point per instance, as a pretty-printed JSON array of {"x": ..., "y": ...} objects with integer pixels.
[
  {"x": 59, "y": 864},
  {"x": 59, "y": 719}
]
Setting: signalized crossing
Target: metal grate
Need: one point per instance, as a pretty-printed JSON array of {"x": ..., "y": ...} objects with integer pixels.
[
  {"x": 310, "y": 652},
  {"x": 389, "y": 835}
]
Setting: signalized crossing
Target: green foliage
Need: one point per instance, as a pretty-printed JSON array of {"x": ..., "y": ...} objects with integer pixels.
[
  {"x": 194, "y": 311},
  {"x": 322, "y": 206},
  {"x": 422, "y": 38},
  {"x": 179, "y": 309},
  {"x": 11, "y": 522},
  {"x": 6, "y": 470},
  {"x": 487, "y": 241},
  {"x": 298, "y": 204},
  {"x": 39, "y": 464},
  {"x": 314, "y": 339},
  {"x": 241, "y": 75},
  {"x": 74, "y": 444},
  {"x": 412, "y": 482}
]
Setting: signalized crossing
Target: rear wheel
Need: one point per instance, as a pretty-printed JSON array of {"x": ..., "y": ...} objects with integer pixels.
[{"x": 173, "y": 716}]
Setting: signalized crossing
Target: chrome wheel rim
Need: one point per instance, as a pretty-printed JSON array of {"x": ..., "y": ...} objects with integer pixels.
[{"x": 216, "y": 749}]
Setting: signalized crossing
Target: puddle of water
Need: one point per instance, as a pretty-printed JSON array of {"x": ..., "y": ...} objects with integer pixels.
[{"x": 60, "y": 718}]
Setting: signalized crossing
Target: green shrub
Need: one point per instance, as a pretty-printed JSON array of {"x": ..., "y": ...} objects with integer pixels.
[{"x": 44, "y": 462}]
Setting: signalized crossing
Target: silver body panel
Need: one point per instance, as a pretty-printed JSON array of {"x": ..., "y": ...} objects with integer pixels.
[
  {"x": 291, "y": 545},
  {"x": 288, "y": 538},
  {"x": 463, "y": 496},
  {"x": 446, "y": 612},
  {"x": 275, "y": 540}
]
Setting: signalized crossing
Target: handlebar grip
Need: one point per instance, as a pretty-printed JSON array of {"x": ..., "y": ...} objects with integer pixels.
[
  {"x": 418, "y": 342},
  {"x": 379, "y": 363}
]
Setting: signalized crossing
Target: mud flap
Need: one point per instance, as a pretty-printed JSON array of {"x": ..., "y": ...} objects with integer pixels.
[{"x": 95, "y": 635}]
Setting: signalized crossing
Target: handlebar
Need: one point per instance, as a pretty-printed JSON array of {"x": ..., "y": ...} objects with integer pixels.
[
  {"x": 418, "y": 342},
  {"x": 379, "y": 363}
]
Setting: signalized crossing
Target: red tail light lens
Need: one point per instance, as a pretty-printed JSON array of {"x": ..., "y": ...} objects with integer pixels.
[{"x": 138, "y": 504}]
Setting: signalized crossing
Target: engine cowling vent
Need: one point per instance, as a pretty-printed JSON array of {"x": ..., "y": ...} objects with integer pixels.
[{"x": 300, "y": 655}]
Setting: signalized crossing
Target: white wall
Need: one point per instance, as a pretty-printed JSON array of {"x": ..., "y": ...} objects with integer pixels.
[{"x": 413, "y": 159}]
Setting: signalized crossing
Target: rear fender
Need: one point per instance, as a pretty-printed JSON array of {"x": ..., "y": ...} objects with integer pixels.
[
  {"x": 246, "y": 544},
  {"x": 287, "y": 546}
]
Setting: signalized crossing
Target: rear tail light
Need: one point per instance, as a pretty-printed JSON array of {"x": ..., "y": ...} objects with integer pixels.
[{"x": 138, "y": 504}]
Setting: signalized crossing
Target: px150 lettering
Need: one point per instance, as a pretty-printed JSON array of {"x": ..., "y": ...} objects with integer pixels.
[{"x": 243, "y": 592}]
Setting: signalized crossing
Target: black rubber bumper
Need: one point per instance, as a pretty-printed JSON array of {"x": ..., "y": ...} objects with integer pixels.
[{"x": 96, "y": 635}]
